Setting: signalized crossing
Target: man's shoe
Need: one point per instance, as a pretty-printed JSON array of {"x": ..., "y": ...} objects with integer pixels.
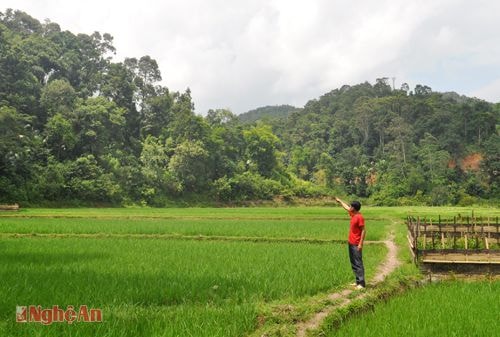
[{"x": 359, "y": 287}]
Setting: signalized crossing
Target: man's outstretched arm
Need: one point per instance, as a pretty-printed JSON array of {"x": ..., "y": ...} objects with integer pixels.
[{"x": 343, "y": 204}]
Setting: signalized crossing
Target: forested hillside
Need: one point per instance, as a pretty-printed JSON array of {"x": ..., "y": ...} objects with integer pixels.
[
  {"x": 77, "y": 127},
  {"x": 397, "y": 146},
  {"x": 266, "y": 113}
]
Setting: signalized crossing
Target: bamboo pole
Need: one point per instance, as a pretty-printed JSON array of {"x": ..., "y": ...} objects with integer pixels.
[
  {"x": 496, "y": 224},
  {"x": 415, "y": 239},
  {"x": 454, "y": 229},
  {"x": 477, "y": 236},
  {"x": 433, "y": 241}
]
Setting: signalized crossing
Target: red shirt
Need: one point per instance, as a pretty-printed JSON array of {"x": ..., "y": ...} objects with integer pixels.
[{"x": 357, "y": 225}]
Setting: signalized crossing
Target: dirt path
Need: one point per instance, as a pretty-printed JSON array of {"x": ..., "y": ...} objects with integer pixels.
[{"x": 390, "y": 263}]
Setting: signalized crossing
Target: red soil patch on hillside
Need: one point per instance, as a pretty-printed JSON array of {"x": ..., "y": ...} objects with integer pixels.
[{"x": 471, "y": 162}]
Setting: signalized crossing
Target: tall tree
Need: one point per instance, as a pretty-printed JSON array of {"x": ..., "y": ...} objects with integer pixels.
[
  {"x": 189, "y": 165},
  {"x": 262, "y": 149}
]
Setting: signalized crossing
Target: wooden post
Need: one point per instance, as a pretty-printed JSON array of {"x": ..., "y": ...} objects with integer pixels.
[
  {"x": 482, "y": 228},
  {"x": 425, "y": 236},
  {"x": 455, "y": 232},
  {"x": 496, "y": 224},
  {"x": 488, "y": 224},
  {"x": 467, "y": 231},
  {"x": 415, "y": 237},
  {"x": 475, "y": 231},
  {"x": 433, "y": 243},
  {"x": 466, "y": 248}
]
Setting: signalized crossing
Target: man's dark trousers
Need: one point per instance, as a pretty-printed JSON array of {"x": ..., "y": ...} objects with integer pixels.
[{"x": 356, "y": 257}]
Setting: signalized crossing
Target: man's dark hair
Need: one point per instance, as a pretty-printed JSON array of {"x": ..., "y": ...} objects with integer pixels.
[{"x": 356, "y": 205}]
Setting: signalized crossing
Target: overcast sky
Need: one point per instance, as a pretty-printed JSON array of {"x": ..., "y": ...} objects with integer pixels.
[{"x": 241, "y": 55}]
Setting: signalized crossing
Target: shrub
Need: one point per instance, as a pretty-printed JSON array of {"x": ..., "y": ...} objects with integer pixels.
[{"x": 246, "y": 186}]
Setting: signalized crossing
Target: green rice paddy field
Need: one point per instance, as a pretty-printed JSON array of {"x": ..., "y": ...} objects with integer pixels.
[
  {"x": 178, "y": 272},
  {"x": 456, "y": 308}
]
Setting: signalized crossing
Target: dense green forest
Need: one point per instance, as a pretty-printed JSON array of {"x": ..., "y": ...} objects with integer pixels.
[
  {"x": 77, "y": 127},
  {"x": 266, "y": 113}
]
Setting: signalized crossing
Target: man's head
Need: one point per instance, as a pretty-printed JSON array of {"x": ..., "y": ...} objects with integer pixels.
[{"x": 356, "y": 205}]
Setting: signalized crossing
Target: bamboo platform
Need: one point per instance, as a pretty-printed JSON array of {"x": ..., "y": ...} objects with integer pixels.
[
  {"x": 462, "y": 258},
  {"x": 458, "y": 241}
]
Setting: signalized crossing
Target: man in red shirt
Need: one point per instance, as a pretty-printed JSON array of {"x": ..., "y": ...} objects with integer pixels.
[{"x": 357, "y": 234}]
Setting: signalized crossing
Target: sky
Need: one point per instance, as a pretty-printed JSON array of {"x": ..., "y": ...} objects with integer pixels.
[{"x": 244, "y": 54}]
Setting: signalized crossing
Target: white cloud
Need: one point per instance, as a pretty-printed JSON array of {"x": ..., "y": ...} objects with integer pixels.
[{"x": 245, "y": 54}]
